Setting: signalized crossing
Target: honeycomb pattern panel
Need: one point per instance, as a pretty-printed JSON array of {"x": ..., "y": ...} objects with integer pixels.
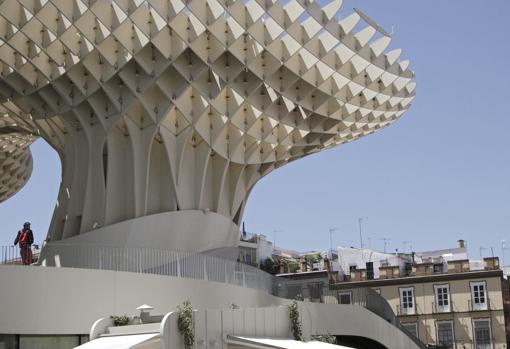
[{"x": 177, "y": 105}]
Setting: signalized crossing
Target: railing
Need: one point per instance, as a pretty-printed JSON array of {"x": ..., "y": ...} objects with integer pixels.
[
  {"x": 11, "y": 254},
  {"x": 437, "y": 309},
  {"x": 408, "y": 311},
  {"x": 479, "y": 306},
  {"x": 159, "y": 262},
  {"x": 249, "y": 237}
]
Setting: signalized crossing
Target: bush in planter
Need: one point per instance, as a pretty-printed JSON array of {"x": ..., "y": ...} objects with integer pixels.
[
  {"x": 185, "y": 324},
  {"x": 122, "y": 320}
]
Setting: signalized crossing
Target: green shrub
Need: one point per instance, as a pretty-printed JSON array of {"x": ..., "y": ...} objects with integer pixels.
[
  {"x": 122, "y": 320},
  {"x": 269, "y": 266},
  {"x": 185, "y": 324},
  {"x": 295, "y": 322}
]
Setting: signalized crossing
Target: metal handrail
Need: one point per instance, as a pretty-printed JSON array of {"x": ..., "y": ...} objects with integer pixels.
[
  {"x": 437, "y": 310},
  {"x": 487, "y": 307},
  {"x": 11, "y": 255},
  {"x": 154, "y": 261}
]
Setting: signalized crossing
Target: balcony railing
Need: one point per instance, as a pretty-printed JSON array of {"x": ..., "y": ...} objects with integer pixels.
[
  {"x": 159, "y": 262},
  {"x": 479, "y": 306},
  {"x": 406, "y": 311},
  {"x": 442, "y": 309},
  {"x": 11, "y": 254}
]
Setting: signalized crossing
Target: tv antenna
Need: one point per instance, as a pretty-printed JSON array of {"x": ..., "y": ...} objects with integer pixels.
[
  {"x": 504, "y": 248},
  {"x": 360, "y": 220},
  {"x": 385, "y": 240},
  {"x": 405, "y": 243},
  {"x": 481, "y": 251}
]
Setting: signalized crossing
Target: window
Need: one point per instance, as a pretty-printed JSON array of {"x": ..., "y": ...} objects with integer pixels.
[
  {"x": 48, "y": 342},
  {"x": 8, "y": 341},
  {"x": 411, "y": 327},
  {"x": 479, "y": 295},
  {"x": 445, "y": 337},
  {"x": 438, "y": 268},
  {"x": 247, "y": 255},
  {"x": 442, "y": 298},
  {"x": 370, "y": 270},
  {"x": 407, "y": 301},
  {"x": 294, "y": 291},
  {"x": 315, "y": 290},
  {"x": 482, "y": 333},
  {"x": 345, "y": 297}
]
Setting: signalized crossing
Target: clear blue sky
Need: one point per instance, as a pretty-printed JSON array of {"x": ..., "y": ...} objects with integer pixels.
[{"x": 442, "y": 172}]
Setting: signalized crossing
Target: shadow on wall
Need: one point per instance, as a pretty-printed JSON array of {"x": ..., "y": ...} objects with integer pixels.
[
  {"x": 462, "y": 334},
  {"x": 359, "y": 342}
]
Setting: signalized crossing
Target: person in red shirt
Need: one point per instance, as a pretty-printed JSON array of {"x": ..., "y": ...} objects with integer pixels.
[{"x": 25, "y": 238}]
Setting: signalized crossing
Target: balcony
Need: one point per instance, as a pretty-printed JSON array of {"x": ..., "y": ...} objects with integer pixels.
[
  {"x": 487, "y": 306},
  {"x": 491, "y": 263},
  {"x": 422, "y": 269},
  {"x": 389, "y": 272},
  {"x": 458, "y": 266},
  {"x": 438, "y": 309},
  {"x": 406, "y": 311},
  {"x": 358, "y": 275}
]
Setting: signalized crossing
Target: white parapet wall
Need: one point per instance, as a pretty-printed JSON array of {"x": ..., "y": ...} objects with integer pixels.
[
  {"x": 60, "y": 301},
  {"x": 228, "y": 328},
  {"x": 39, "y": 300}
]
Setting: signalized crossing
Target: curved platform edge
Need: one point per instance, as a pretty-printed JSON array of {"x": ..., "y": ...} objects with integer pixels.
[{"x": 189, "y": 230}]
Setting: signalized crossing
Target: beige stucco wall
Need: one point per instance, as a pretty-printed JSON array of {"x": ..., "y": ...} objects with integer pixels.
[
  {"x": 462, "y": 316},
  {"x": 459, "y": 289}
]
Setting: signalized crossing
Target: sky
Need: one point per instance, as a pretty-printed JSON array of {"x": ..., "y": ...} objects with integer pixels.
[{"x": 439, "y": 174}]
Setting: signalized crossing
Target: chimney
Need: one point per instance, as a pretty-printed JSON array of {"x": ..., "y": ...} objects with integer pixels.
[{"x": 461, "y": 243}]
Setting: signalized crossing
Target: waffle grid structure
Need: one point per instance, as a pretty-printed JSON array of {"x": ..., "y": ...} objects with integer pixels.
[
  {"x": 166, "y": 105},
  {"x": 15, "y": 157}
]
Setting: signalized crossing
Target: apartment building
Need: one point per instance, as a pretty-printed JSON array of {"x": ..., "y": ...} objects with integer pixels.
[
  {"x": 444, "y": 301},
  {"x": 254, "y": 248}
]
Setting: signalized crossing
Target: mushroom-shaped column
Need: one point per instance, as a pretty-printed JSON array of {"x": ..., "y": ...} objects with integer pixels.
[{"x": 166, "y": 113}]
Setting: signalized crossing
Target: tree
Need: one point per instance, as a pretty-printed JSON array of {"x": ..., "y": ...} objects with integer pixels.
[
  {"x": 312, "y": 259},
  {"x": 269, "y": 266}
]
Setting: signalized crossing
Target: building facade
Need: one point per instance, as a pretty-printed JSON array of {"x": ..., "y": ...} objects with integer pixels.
[{"x": 457, "y": 307}]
